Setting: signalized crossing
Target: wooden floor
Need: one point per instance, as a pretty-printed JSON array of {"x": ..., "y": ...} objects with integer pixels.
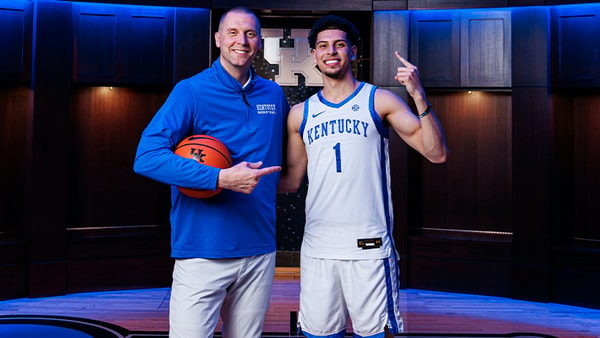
[{"x": 423, "y": 311}]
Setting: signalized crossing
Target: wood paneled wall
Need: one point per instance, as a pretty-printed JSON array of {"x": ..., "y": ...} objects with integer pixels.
[
  {"x": 15, "y": 114},
  {"x": 532, "y": 137},
  {"x": 576, "y": 180},
  {"x": 459, "y": 211},
  {"x": 461, "y": 229},
  {"x": 74, "y": 215},
  {"x": 47, "y": 207},
  {"x": 586, "y": 163},
  {"x": 472, "y": 191},
  {"x": 106, "y": 124},
  {"x": 117, "y": 235},
  {"x": 512, "y": 213}
]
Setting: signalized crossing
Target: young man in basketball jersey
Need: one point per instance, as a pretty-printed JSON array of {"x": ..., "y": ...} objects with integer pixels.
[
  {"x": 223, "y": 246},
  {"x": 339, "y": 137}
]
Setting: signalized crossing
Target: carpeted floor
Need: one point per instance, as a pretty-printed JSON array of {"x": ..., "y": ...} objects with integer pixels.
[{"x": 30, "y": 326}]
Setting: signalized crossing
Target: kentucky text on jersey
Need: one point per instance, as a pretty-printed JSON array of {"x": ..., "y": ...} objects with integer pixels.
[
  {"x": 268, "y": 108},
  {"x": 341, "y": 126}
]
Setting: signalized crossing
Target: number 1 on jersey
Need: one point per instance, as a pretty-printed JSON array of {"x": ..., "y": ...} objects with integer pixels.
[{"x": 338, "y": 157}]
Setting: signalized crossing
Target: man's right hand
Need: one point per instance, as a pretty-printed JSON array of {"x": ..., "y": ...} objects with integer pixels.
[{"x": 243, "y": 177}]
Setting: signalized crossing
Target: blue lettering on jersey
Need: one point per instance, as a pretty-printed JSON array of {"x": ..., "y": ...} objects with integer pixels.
[{"x": 339, "y": 126}]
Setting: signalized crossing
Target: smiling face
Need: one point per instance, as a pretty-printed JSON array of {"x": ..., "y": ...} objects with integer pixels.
[
  {"x": 238, "y": 40},
  {"x": 333, "y": 53}
]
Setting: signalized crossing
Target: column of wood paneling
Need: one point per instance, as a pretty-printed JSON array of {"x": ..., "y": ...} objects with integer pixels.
[
  {"x": 49, "y": 130},
  {"x": 532, "y": 128}
]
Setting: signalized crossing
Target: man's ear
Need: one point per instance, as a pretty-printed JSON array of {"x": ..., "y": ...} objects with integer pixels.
[
  {"x": 354, "y": 52},
  {"x": 217, "y": 42}
]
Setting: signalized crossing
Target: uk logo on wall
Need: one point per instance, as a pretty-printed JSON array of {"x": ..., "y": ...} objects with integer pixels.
[{"x": 292, "y": 55}]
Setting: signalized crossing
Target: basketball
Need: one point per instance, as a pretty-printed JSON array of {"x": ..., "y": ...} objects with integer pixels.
[{"x": 206, "y": 150}]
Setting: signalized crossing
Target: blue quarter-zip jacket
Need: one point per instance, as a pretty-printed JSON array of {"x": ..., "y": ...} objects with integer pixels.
[{"x": 250, "y": 121}]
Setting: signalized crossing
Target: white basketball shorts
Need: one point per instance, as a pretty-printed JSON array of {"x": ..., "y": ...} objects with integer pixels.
[{"x": 364, "y": 291}]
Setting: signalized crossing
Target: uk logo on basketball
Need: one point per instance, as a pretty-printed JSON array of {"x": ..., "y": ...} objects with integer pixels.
[{"x": 197, "y": 154}]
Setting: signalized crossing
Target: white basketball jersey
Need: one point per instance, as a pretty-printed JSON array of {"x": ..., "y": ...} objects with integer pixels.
[{"x": 348, "y": 204}]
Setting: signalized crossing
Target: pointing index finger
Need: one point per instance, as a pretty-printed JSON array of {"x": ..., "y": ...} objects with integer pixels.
[
  {"x": 269, "y": 170},
  {"x": 403, "y": 60}
]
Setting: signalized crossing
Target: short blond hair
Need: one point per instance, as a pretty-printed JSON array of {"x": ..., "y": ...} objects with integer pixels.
[{"x": 241, "y": 9}]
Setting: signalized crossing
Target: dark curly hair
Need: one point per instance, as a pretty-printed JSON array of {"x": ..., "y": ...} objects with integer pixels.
[{"x": 334, "y": 22}]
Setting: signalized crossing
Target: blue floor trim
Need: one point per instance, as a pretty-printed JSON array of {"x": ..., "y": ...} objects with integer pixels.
[{"x": 25, "y": 326}]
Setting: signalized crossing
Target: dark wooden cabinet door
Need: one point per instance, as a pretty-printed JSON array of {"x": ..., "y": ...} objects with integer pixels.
[
  {"x": 462, "y": 49},
  {"x": 148, "y": 46},
  {"x": 96, "y": 35},
  {"x": 122, "y": 44},
  {"x": 485, "y": 49},
  {"x": 576, "y": 46},
  {"x": 15, "y": 40},
  {"x": 435, "y": 46}
]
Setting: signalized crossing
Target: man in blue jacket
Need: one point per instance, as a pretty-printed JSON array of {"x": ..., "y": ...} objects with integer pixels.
[{"x": 223, "y": 246}]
